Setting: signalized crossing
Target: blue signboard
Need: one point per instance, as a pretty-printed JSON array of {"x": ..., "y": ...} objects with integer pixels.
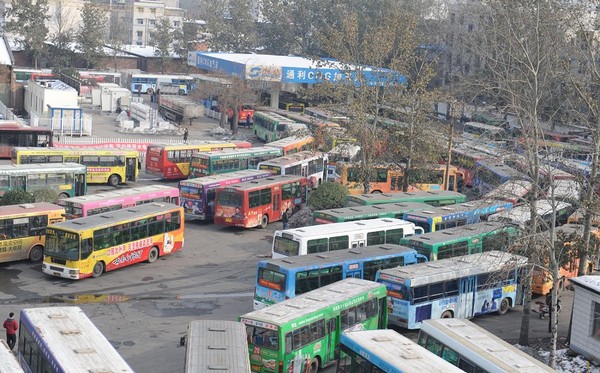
[{"x": 211, "y": 63}]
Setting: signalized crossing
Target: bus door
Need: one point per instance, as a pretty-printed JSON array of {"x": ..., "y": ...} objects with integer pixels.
[
  {"x": 130, "y": 169},
  {"x": 304, "y": 170},
  {"x": 332, "y": 337},
  {"x": 276, "y": 206},
  {"x": 354, "y": 271},
  {"x": 18, "y": 182},
  {"x": 468, "y": 288},
  {"x": 80, "y": 183},
  {"x": 451, "y": 183}
]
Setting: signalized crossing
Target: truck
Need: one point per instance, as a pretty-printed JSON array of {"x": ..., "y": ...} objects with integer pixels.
[{"x": 178, "y": 109}]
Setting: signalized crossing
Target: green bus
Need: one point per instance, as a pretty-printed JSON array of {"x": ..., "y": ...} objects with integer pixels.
[
  {"x": 66, "y": 179},
  {"x": 463, "y": 240},
  {"x": 230, "y": 160},
  {"x": 302, "y": 334},
  {"x": 385, "y": 210},
  {"x": 269, "y": 126},
  {"x": 433, "y": 198}
]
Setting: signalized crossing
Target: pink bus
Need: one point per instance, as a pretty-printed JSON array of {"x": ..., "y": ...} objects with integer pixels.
[{"x": 77, "y": 207}]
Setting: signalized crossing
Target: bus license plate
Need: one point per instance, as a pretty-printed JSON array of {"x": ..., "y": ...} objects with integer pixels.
[
  {"x": 228, "y": 220},
  {"x": 255, "y": 368}
]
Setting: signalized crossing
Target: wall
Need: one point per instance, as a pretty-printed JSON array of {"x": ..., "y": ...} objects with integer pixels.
[{"x": 583, "y": 315}]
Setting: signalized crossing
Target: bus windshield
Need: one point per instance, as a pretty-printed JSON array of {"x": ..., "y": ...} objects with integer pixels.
[
  {"x": 190, "y": 192},
  {"x": 61, "y": 244},
  {"x": 271, "y": 279},
  {"x": 261, "y": 337},
  {"x": 286, "y": 246},
  {"x": 233, "y": 199}
]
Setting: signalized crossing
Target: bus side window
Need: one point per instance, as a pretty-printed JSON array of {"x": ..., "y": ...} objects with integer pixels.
[{"x": 86, "y": 248}]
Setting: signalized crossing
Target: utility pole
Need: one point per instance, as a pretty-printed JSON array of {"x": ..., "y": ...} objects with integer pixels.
[{"x": 449, "y": 156}]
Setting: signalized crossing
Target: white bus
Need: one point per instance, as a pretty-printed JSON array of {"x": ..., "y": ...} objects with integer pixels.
[
  {"x": 521, "y": 215},
  {"x": 8, "y": 361},
  {"x": 386, "y": 350},
  {"x": 481, "y": 131},
  {"x": 63, "y": 339},
  {"x": 216, "y": 345},
  {"x": 474, "y": 349},
  {"x": 340, "y": 236},
  {"x": 309, "y": 164}
]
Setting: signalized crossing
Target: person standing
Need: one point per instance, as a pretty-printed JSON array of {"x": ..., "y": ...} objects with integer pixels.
[
  {"x": 185, "y": 135},
  {"x": 248, "y": 118},
  {"x": 285, "y": 219},
  {"x": 11, "y": 325}
]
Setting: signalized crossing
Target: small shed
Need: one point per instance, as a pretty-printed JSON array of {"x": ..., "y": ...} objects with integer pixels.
[
  {"x": 39, "y": 95},
  {"x": 585, "y": 327}
]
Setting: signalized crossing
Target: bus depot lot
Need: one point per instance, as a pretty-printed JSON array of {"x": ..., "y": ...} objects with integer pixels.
[{"x": 145, "y": 309}]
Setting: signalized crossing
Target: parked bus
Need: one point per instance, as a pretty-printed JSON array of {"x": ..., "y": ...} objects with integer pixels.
[
  {"x": 302, "y": 334},
  {"x": 386, "y": 351},
  {"x": 474, "y": 349},
  {"x": 150, "y": 83},
  {"x": 479, "y": 131},
  {"x": 172, "y": 162},
  {"x": 296, "y": 107},
  {"x": 66, "y": 179},
  {"x": 15, "y": 134},
  {"x": 384, "y": 210},
  {"x": 256, "y": 203},
  {"x": 340, "y": 236},
  {"x": 435, "y": 178},
  {"x": 490, "y": 175},
  {"x": 520, "y": 215},
  {"x": 112, "y": 166},
  {"x": 216, "y": 345},
  {"x": 23, "y": 230},
  {"x": 513, "y": 191},
  {"x": 433, "y": 198},
  {"x": 293, "y": 144},
  {"x": 8, "y": 361},
  {"x": 268, "y": 126},
  {"x": 460, "y": 287},
  {"x": 93, "y": 204},
  {"x": 117, "y": 239},
  {"x": 467, "y": 239},
  {"x": 444, "y": 217},
  {"x": 230, "y": 160},
  {"x": 308, "y": 164},
  {"x": 284, "y": 278},
  {"x": 64, "y": 339},
  {"x": 577, "y": 218},
  {"x": 464, "y": 159}
]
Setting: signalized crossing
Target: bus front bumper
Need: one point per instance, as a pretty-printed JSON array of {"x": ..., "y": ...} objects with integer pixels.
[
  {"x": 60, "y": 271},
  {"x": 397, "y": 321}
]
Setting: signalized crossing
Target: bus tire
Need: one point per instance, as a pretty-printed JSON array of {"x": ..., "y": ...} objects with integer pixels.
[
  {"x": 447, "y": 315},
  {"x": 504, "y": 306},
  {"x": 36, "y": 254},
  {"x": 153, "y": 254},
  {"x": 314, "y": 365},
  {"x": 376, "y": 192},
  {"x": 98, "y": 269},
  {"x": 114, "y": 180},
  {"x": 63, "y": 196},
  {"x": 149, "y": 91},
  {"x": 264, "y": 222}
]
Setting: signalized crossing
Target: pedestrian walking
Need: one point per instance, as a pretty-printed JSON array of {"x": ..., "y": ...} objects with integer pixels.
[
  {"x": 11, "y": 325},
  {"x": 185, "y": 135},
  {"x": 248, "y": 118},
  {"x": 285, "y": 219}
]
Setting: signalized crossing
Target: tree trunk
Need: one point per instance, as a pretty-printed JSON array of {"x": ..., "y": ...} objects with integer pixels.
[{"x": 524, "y": 334}]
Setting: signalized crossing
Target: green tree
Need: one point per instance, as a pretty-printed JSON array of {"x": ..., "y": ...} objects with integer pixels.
[
  {"x": 185, "y": 40},
  {"x": 328, "y": 195},
  {"x": 231, "y": 26},
  {"x": 161, "y": 38},
  {"x": 16, "y": 197},
  {"x": 45, "y": 195},
  {"x": 27, "y": 19},
  {"x": 92, "y": 33},
  {"x": 62, "y": 35}
]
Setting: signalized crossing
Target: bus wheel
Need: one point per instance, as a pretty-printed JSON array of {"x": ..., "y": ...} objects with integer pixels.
[
  {"x": 98, "y": 270},
  {"x": 314, "y": 365},
  {"x": 113, "y": 180},
  {"x": 36, "y": 254},
  {"x": 149, "y": 91},
  {"x": 264, "y": 221},
  {"x": 447, "y": 315},
  {"x": 504, "y": 305},
  {"x": 63, "y": 196},
  {"x": 153, "y": 255},
  {"x": 376, "y": 192}
]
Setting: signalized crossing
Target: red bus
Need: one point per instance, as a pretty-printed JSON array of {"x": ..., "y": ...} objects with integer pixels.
[
  {"x": 464, "y": 160},
  {"x": 15, "y": 134},
  {"x": 173, "y": 161},
  {"x": 256, "y": 203}
]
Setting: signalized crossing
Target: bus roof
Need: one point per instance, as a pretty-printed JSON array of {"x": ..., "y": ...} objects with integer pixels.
[
  {"x": 512, "y": 189},
  {"x": 239, "y": 152},
  {"x": 290, "y": 140},
  {"x": 109, "y": 218},
  {"x": 366, "y": 211},
  {"x": 198, "y": 144},
  {"x": 482, "y": 347},
  {"x": 455, "y": 233},
  {"x": 501, "y": 168},
  {"x": 69, "y": 332},
  {"x": 8, "y": 361},
  {"x": 365, "y": 199},
  {"x": 394, "y": 353},
  {"x": 231, "y": 178},
  {"x": 292, "y": 158},
  {"x": 261, "y": 183},
  {"x": 487, "y": 127},
  {"x": 304, "y": 304},
  {"x": 338, "y": 228},
  {"x": 126, "y": 192},
  {"x": 452, "y": 268},
  {"x": 216, "y": 345},
  {"x": 481, "y": 205},
  {"x": 8, "y": 126},
  {"x": 37, "y": 167},
  {"x": 27, "y": 208},
  {"x": 521, "y": 214},
  {"x": 66, "y": 149}
]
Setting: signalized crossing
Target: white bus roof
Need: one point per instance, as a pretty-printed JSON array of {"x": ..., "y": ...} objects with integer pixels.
[
  {"x": 217, "y": 345},
  {"x": 17, "y": 169},
  {"x": 487, "y": 127},
  {"x": 456, "y": 233},
  {"x": 127, "y": 192},
  {"x": 396, "y": 351},
  {"x": 292, "y": 158},
  {"x": 71, "y": 335},
  {"x": 512, "y": 189},
  {"x": 521, "y": 214},
  {"x": 212, "y": 179},
  {"x": 289, "y": 140},
  {"x": 346, "y": 227},
  {"x": 8, "y": 361},
  {"x": 453, "y": 268},
  {"x": 482, "y": 347},
  {"x": 236, "y": 152},
  {"x": 301, "y": 305}
]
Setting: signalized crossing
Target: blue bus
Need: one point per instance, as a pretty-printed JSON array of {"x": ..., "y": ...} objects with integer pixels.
[
  {"x": 459, "y": 287},
  {"x": 490, "y": 174},
  {"x": 438, "y": 218},
  {"x": 284, "y": 278}
]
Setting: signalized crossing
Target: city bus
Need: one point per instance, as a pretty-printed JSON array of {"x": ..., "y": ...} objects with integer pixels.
[
  {"x": 459, "y": 287},
  {"x": 386, "y": 351},
  {"x": 480, "y": 131},
  {"x": 150, "y": 83},
  {"x": 256, "y": 203},
  {"x": 577, "y": 217},
  {"x": 93, "y": 204},
  {"x": 112, "y": 166},
  {"x": 198, "y": 195},
  {"x": 340, "y": 236},
  {"x": 23, "y": 229},
  {"x": 490, "y": 174},
  {"x": 230, "y": 160},
  {"x": 296, "y": 107},
  {"x": 513, "y": 191},
  {"x": 520, "y": 215},
  {"x": 302, "y": 334},
  {"x": 474, "y": 349},
  {"x": 216, "y": 345},
  {"x": 117, "y": 239},
  {"x": 284, "y": 278},
  {"x": 308, "y": 164},
  {"x": 172, "y": 162},
  {"x": 467, "y": 239},
  {"x": 464, "y": 160},
  {"x": 8, "y": 361},
  {"x": 443, "y": 217},
  {"x": 293, "y": 144},
  {"x": 15, "y": 134},
  {"x": 384, "y": 210},
  {"x": 269, "y": 126},
  {"x": 64, "y": 339},
  {"x": 433, "y": 198},
  {"x": 66, "y": 179}
]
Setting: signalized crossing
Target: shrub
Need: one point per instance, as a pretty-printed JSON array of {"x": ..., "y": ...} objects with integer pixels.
[
  {"x": 16, "y": 197},
  {"x": 45, "y": 195},
  {"x": 328, "y": 195}
]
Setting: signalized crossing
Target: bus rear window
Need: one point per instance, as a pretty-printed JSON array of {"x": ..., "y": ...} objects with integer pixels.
[
  {"x": 285, "y": 246},
  {"x": 229, "y": 199},
  {"x": 190, "y": 192},
  {"x": 395, "y": 290},
  {"x": 261, "y": 337},
  {"x": 271, "y": 279}
]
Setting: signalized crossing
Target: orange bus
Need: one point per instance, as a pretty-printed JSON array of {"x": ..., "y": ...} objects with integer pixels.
[
  {"x": 256, "y": 203},
  {"x": 292, "y": 144}
]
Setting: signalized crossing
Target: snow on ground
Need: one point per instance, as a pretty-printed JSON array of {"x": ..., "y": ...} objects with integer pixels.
[{"x": 566, "y": 361}]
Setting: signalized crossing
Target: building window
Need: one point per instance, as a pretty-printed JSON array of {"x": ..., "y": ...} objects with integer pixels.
[
  {"x": 140, "y": 21},
  {"x": 152, "y": 22},
  {"x": 596, "y": 326},
  {"x": 140, "y": 34}
]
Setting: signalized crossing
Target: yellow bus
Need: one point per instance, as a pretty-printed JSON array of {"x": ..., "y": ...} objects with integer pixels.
[
  {"x": 112, "y": 166},
  {"x": 23, "y": 229},
  {"x": 87, "y": 247}
]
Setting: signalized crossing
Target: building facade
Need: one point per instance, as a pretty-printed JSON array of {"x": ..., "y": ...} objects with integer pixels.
[{"x": 585, "y": 332}]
